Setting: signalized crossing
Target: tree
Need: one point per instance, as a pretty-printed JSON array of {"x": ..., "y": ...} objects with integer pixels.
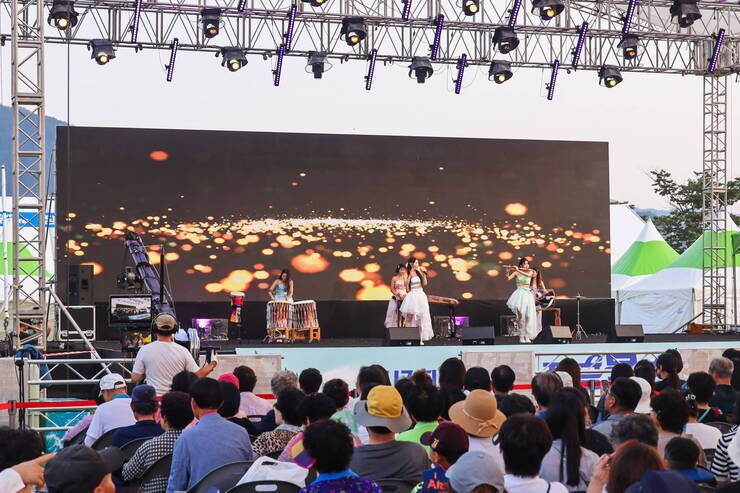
[{"x": 683, "y": 226}]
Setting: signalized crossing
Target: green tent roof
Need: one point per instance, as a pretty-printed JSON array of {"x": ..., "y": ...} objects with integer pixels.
[
  {"x": 648, "y": 254},
  {"x": 692, "y": 256}
]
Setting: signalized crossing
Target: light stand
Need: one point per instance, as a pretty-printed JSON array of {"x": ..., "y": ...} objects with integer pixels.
[{"x": 580, "y": 333}]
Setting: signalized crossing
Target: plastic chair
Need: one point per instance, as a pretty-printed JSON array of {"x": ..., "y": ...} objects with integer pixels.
[
  {"x": 395, "y": 485},
  {"x": 160, "y": 468},
  {"x": 78, "y": 439},
  {"x": 723, "y": 427},
  {"x": 265, "y": 487},
  {"x": 222, "y": 478},
  {"x": 104, "y": 440},
  {"x": 129, "y": 449}
]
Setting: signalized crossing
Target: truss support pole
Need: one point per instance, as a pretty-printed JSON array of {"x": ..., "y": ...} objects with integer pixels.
[
  {"x": 27, "y": 293},
  {"x": 714, "y": 207}
]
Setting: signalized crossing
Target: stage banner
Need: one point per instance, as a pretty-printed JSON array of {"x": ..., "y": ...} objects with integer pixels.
[{"x": 594, "y": 365}]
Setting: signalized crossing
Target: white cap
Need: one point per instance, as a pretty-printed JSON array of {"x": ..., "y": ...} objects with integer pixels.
[
  {"x": 112, "y": 381},
  {"x": 643, "y": 407}
]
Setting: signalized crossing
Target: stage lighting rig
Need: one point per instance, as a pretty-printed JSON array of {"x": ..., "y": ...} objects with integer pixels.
[
  {"x": 353, "y": 30},
  {"x": 420, "y": 69},
  {"x": 718, "y": 40},
  {"x": 461, "y": 64},
  {"x": 129, "y": 279},
  {"x": 686, "y": 12},
  {"x": 629, "y": 45},
  {"x": 102, "y": 50},
  {"x": 62, "y": 14},
  {"x": 437, "y": 35},
  {"x": 406, "y": 12},
  {"x": 315, "y": 3},
  {"x": 279, "y": 65},
  {"x": 548, "y": 9},
  {"x": 553, "y": 79},
  {"x": 371, "y": 69},
  {"x": 211, "y": 20},
  {"x": 578, "y": 50},
  {"x": 506, "y": 39},
  {"x": 609, "y": 76},
  {"x": 173, "y": 55},
  {"x": 470, "y": 7},
  {"x": 234, "y": 58},
  {"x": 317, "y": 63},
  {"x": 500, "y": 71}
]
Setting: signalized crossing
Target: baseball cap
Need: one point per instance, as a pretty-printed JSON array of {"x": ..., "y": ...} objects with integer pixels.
[
  {"x": 383, "y": 407},
  {"x": 112, "y": 381},
  {"x": 165, "y": 322},
  {"x": 229, "y": 377},
  {"x": 664, "y": 482},
  {"x": 473, "y": 469},
  {"x": 447, "y": 439},
  {"x": 144, "y": 393},
  {"x": 80, "y": 469}
]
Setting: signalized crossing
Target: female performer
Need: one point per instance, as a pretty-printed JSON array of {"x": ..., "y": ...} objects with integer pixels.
[
  {"x": 521, "y": 302},
  {"x": 282, "y": 287},
  {"x": 415, "y": 306},
  {"x": 398, "y": 288}
]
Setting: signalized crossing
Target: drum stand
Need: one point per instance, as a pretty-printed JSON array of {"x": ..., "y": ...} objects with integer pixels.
[{"x": 580, "y": 333}]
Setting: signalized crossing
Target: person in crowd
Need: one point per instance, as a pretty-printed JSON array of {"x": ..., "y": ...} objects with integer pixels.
[
  {"x": 421, "y": 377},
  {"x": 595, "y": 441},
  {"x": 18, "y": 445},
  {"x": 280, "y": 381},
  {"x": 477, "y": 378},
  {"x": 628, "y": 464},
  {"x": 175, "y": 416},
  {"x": 338, "y": 391},
  {"x": 734, "y": 355},
  {"x": 329, "y": 443},
  {"x": 573, "y": 369},
  {"x": 682, "y": 456},
  {"x": 229, "y": 409},
  {"x": 479, "y": 416},
  {"x": 646, "y": 393},
  {"x": 723, "y": 465},
  {"x": 524, "y": 441},
  {"x": 115, "y": 412},
  {"x": 313, "y": 408},
  {"x": 545, "y": 385},
  {"x": 671, "y": 413},
  {"x": 721, "y": 370},
  {"x": 210, "y": 444},
  {"x": 367, "y": 377},
  {"x": 384, "y": 415},
  {"x": 502, "y": 380},
  {"x": 513, "y": 404},
  {"x": 452, "y": 374},
  {"x": 404, "y": 386},
  {"x": 667, "y": 369},
  {"x": 80, "y": 469},
  {"x": 82, "y": 425},
  {"x": 619, "y": 370},
  {"x": 229, "y": 378},
  {"x": 638, "y": 427},
  {"x": 646, "y": 370},
  {"x": 24, "y": 476},
  {"x": 446, "y": 444},
  {"x": 159, "y": 361},
  {"x": 289, "y": 421},
  {"x": 423, "y": 407},
  {"x": 144, "y": 405},
  {"x": 621, "y": 400},
  {"x": 568, "y": 461},
  {"x": 473, "y": 473},
  {"x": 702, "y": 386},
  {"x": 250, "y": 403},
  {"x": 707, "y": 436},
  {"x": 182, "y": 381},
  {"x": 310, "y": 380},
  {"x": 664, "y": 481}
]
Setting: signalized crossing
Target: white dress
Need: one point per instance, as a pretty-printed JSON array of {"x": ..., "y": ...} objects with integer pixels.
[
  {"x": 392, "y": 314},
  {"x": 416, "y": 305},
  {"x": 521, "y": 302}
]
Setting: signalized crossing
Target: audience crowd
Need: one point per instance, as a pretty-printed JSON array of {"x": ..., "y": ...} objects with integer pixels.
[{"x": 470, "y": 432}]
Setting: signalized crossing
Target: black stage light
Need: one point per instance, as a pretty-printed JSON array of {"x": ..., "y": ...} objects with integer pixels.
[
  {"x": 610, "y": 76},
  {"x": 420, "y": 69},
  {"x": 548, "y": 9},
  {"x": 102, "y": 50},
  {"x": 317, "y": 63},
  {"x": 686, "y": 11},
  {"x": 62, "y": 14},
  {"x": 470, "y": 7},
  {"x": 211, "y": 20},
  {"x": 353, "y": 30},
  {"x": 234, "y": 58},
  {"x": 506, "y": 39},
  {"x": 500, "y": 71},
  {"x": 629, "y": 45}
]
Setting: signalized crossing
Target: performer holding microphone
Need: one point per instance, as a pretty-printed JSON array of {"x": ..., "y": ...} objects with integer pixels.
[
  {"x": 415, "y": 306},
  {"x": 521, "y": 301}
]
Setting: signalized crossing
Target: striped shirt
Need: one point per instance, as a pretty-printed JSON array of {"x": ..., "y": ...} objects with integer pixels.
[
  {"x": 722, "y": 465},
  {"x": 146, "y": 455}
]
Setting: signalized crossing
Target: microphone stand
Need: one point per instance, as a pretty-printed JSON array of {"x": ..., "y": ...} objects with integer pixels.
[{"x": 580, "y": 333}]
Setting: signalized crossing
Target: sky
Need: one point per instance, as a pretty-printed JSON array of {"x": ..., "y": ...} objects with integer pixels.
[{"x": 650, "y": 121}]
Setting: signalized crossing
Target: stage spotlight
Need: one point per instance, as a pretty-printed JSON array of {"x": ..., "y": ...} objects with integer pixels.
[
  {"x": 211, "y": 20},
  {"x": 719, "y": 38},
  {"x": 234, "y": 58},
  {"x": 317, "y": 63},
  {"x": 420, "y": 69},
  {"x": 353, "y": 30},
  {"x": 62, "y": 14},
  {"x": 686, "y": 11},
  {"x": 506, "y": 39},
  {"x": 102, "y": 50},
  {"x": 548, "y": 9},
  {"x": 470, "y": 7},
  {"x": 500, "y": 71},
  {"x": 609, "y": 76},
  {"x": 629, "y": 45}
]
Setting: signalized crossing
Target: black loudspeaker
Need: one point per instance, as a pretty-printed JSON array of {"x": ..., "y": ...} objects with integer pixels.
[
  {"x": 626, "y": 333},
  {"x": 474, "y": 336},
  {"x": 79, "y": 281},
  {"x": 402, "y": 336},
  {"x": 554, "y": 334}
]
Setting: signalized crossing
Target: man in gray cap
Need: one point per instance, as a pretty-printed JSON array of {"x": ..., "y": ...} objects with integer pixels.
[
  {"x": 476, "y": 471},
  {"x": 80, "y": 469}
]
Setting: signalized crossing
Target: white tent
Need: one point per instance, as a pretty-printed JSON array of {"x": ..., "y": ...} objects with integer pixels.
[{"x": 625, "y": 226}]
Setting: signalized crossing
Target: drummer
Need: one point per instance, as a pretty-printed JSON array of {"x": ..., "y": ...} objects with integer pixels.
[{"x": 282, "y": 287}]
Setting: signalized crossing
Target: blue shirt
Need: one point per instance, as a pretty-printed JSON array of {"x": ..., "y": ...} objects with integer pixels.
[
  {"x": 146, "y": 428},
  {"x": 211, "y": 443},
  {"x": 434, "y": 481}
]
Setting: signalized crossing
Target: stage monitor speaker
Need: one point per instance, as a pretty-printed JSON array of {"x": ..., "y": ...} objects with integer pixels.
[
  {"x": 626, "y": 333},
  {"x": 80, "y": 281},
  {"x": 402, "y": 336},
  {"x": 554, "y": 334},
  {"x": 475, "y": 336}
]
